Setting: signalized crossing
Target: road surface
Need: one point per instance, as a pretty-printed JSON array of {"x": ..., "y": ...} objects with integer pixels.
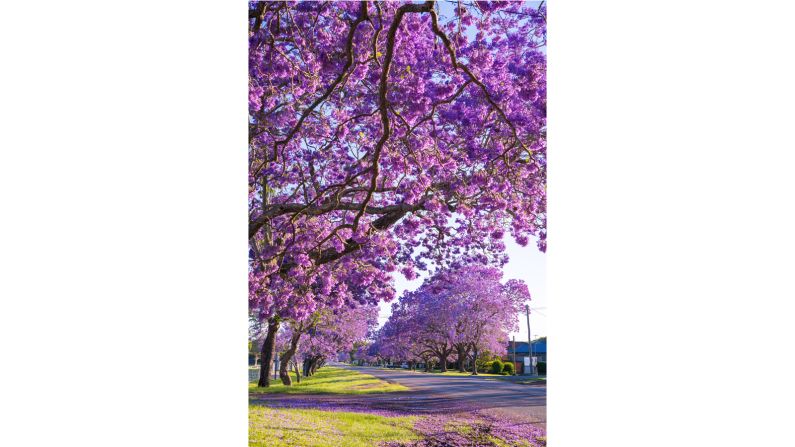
[
  {"x": 432, "y": 394},
  {"x": 436, "y": 392}
]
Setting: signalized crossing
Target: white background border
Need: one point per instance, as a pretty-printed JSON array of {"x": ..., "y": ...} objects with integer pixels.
[{"x": 123, "y": 186}]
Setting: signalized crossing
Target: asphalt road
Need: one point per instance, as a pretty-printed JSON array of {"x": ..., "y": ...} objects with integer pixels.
[{"x": 435, "y": 392}]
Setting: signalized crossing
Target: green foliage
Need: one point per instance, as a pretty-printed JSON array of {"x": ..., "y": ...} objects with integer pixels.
[
  {"x": 508, "y": 368},
  {"x": 496, "y": 366},
  {"x": 542, "y": 368},
  {"x": 484, "y": 366}
]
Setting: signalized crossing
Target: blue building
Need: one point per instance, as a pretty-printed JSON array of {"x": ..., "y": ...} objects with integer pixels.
[{"x": 539, "y": 352}]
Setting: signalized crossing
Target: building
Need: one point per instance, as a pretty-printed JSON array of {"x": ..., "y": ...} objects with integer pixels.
[{"x": 539, "y": 352}]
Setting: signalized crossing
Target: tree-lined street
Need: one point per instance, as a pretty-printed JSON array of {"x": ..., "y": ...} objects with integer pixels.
[{"x": 386, "y": 139}]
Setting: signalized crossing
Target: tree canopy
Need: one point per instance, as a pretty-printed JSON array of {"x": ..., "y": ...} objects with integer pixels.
[{"x": 385, "y": 137}]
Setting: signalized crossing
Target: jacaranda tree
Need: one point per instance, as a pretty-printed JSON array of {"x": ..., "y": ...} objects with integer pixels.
[
  {"x": 387, "y": 136},
  {"x": 460, "y": 312}
]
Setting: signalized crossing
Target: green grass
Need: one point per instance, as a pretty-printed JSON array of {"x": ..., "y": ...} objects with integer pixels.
[
  {"x": 531, "y": 381},
  {"x": 449, "y": 372},
  {"x": 294, "y": 427},
  {"x": 459, "y": 373},
  {"x": 331, "y": 380}
]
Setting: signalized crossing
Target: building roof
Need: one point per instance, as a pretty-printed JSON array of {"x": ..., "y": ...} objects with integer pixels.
[{"x": 539, "y": 347}]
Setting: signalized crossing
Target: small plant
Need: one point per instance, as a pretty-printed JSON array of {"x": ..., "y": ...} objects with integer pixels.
[
  {"x": 542, "y": 368},
  {"x": 484, "y": 366},
  {"x": 496, "y": 366},
  {"x": 508, "y": 368}
]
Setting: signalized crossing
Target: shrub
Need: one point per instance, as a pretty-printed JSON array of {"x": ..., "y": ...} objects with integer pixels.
[
  {"x": 485, "y": 366},
  {"x": 542, "y": 368},
  {"x": 496, "y": 366},
  {"x": 507, "y": 368}
]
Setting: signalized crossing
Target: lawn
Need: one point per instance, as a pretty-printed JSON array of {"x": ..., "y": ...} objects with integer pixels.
[
  {"x": 331, "y": 380},
  {"x": 531, "y": 381},
  {"x": 292, "y": 427},
  {"x": 449, "y": 372},
  {"x": 459, "y": 373}
]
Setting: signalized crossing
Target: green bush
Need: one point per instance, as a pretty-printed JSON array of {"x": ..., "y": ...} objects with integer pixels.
[
  {"x": 485, "y": 366},
  {"x": 542, "y": 368},
  {"x": 507, "y": 368},
  {"x": 496, "y": 366}
]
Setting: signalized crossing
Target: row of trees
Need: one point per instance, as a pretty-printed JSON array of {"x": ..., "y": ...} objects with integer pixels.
[
  {"x": 456, "y": 315},
  {"x": 305, "y": 345},
  {"x": 383, "y": 137}
]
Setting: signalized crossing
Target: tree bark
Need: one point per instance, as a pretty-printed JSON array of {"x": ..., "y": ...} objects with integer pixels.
[
  {"x": 284, "y": 371},
  {"x": 315, "y": 365},
  {"x": 268, "y": 346},
  {"x": 443, "y": 363},
  {"x": 297, "y": 372},
  {"x": 461, "y": 358}
]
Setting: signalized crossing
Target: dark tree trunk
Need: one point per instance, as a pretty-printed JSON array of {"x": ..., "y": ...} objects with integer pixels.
[
  {"x": 268, "y": 346},
  {"x": 314, "y": 367},
  {"x": 443, "y": 363},
  {"x": 284, "y": 371},
  {"x": 462, "y": 356},
  {"x": 297, "y": 372}
]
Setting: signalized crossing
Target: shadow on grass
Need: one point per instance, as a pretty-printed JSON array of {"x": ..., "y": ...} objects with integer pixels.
[{"x": 331, "y": 380}]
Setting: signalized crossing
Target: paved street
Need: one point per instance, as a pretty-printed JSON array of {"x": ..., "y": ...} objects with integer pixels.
[
  {"x": 434, "y": 394},
  {"x": 441, "y": 392}
]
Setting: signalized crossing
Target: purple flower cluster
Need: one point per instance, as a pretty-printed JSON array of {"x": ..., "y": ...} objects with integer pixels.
[
  {"x": 460, "y": 429},
  {"x": 473, "y": 430},
  {"x": 384, "y": 138},
  {"x": 457, "y": 313}
]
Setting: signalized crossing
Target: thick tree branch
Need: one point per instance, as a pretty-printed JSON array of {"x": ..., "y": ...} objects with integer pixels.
[
  {"x": 382, "y": 100},
  {"x": 348, "y": 63}
]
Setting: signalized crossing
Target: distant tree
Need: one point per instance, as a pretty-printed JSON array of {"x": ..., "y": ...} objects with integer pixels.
[{"x": 466, "y": 309}]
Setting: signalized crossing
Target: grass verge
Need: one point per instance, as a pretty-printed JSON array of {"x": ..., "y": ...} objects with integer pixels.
[
  {"x": 291, "y": 427},
  {"x": 331, "y": 380},
  {"x": 446, "y": 373}
]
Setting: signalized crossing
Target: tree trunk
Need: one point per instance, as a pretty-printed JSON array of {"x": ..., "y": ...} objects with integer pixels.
[
  {"x": 297, "y": 372},
  {"x": 443, "y": 363},
  {"x": 315, "y": 365},
  {"x": 284, "y": 371},
  {"x": 461, "y": 359},
  {"x": 475, "y": 362},
  {"x": 268, "y": 346}
]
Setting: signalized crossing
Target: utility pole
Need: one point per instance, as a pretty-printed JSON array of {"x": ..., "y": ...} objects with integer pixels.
[{"x": 529, "y": 341}]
